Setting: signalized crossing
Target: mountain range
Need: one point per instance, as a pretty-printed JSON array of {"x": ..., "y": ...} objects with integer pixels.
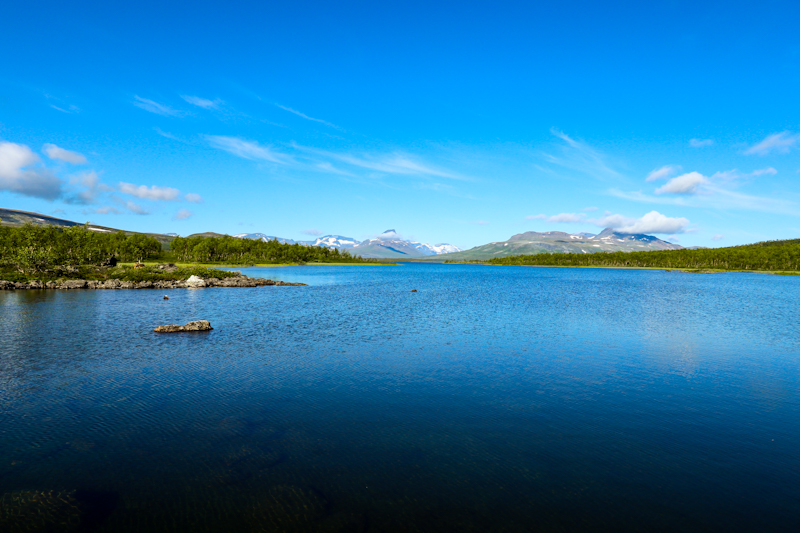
[
  {"x": 533, "y": 242},
  {"x": 390, "y": 245},
  {"x": 387, "y": 245}
]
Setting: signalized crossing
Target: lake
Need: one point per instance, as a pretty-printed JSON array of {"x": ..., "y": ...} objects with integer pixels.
[{"x": 492, "y": 399}]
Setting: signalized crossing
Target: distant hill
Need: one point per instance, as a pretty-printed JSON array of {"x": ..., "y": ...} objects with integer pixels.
[
  {"x": 12, "y": 217},
  {"x": 532, "y": 242}
]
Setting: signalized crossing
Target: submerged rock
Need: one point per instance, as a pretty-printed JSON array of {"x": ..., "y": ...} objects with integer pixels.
[{"x": 197, "y": 325}]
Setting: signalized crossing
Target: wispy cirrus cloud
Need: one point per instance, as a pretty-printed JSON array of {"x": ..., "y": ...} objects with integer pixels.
[
  {"x": 202, "y": 102},
  {"x": 70, "y": 110},
  {"x": 780, "y": 143},
  {"x": 303, "y": 115},
  {"x": 154, "y": 107},
  {"x": 664, "y": 172},
  {"x": 394, "y": 163},
  {"x": 700, "y": 143},
  {"x": 247, "y": 149},
  {"x": 579, "y": 156},
  {"x": 716, "y": 197}
]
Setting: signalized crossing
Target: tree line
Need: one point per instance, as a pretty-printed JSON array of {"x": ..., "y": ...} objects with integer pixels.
[
  {"x": 231, "y": 250},
  {"x": 33, "y": 249},
  {"x": 774, "y": 256},
  {"x": 37, "y": 249}
]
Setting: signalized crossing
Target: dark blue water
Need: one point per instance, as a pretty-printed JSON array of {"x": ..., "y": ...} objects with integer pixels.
[{"x": 493, "y": 399}]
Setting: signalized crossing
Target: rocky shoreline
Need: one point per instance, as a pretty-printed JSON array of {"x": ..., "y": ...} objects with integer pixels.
[{"x": 196, "y": 283}]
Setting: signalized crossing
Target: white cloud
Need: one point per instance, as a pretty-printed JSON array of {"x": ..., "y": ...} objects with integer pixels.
[
  {"x": 303, "y": 115},
  {"x": 700, "y": 143},
  {"x": 777, "y": 142},
  {"x": 149, "y": 193},
  {"x": 202, "y": 102},
  {"x": 764, "y": 171},
  {"x": 91, "y": 181},
  {"x": 683, "y": 184},
  {"x": 589, "y": 209},
  {"x": 717, "y": 237},
  {"x": 183, "y": 214},
  {"x": 155, "y": 107},
  {"x": 566, "y": 218},
  {"x": 536, "y": 217},
  {"x": 54, "y": 152},
  {"x": 313, "y": 232},
  {"x": 652, "y": 222},
  {"x": 246, "y": 149},
  {"x": 136, "y": 208},
  {"x": 16, "y": 177},
  {"x": 663, "y": 172},
  {"x": 106, "y": 210},
  {"x": 193, "y": 198}
]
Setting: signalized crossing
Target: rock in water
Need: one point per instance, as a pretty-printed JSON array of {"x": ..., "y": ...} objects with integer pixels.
[
  {"x": 195, "y": 281},
  {"x": 197, "y": 325}
]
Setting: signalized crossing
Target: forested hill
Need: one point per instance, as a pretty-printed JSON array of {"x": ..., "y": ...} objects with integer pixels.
[
  {"x": 15, "y": 218},
  {"x": 763, "y": 256}
]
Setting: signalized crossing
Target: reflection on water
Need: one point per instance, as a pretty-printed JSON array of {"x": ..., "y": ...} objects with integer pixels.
[{"x": 493, "y": 399}]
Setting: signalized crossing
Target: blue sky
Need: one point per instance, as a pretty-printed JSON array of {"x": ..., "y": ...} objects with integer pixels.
[{"x": 460, "y": 122}]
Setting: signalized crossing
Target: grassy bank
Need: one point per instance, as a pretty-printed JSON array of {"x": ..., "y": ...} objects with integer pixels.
[{"x": 120, "y": 272}]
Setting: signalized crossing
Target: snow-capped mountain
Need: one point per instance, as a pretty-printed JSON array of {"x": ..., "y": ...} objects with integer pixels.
[
  {"x": 335, "y": 241},
  {"x": 436, "y": 249},
  {"x": 391, "y": 245},
  {"x": 532, "y": 242},
  {"x": 387, "y": 245},
  {"x": 265, "y": 238}
]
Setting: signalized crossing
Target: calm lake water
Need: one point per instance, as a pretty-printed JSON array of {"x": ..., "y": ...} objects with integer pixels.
[{"x": 493, "y": 399}]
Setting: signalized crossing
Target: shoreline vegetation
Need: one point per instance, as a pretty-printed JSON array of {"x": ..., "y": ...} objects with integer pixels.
[
  {"x": 48, "y": 256},
  {"x": 774, "y": 257}
]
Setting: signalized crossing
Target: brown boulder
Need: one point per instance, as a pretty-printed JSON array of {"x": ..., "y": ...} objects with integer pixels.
[{"x": 197, "y": 325}]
